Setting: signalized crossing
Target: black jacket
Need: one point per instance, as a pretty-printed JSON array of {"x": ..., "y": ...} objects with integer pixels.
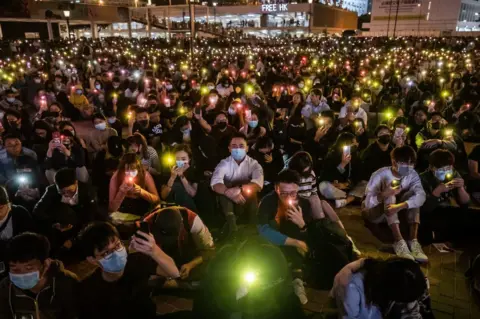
[{"x": 21, "y": 222}]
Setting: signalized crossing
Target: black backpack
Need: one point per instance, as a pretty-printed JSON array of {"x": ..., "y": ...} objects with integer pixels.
[{"x": 329, "y": 251}]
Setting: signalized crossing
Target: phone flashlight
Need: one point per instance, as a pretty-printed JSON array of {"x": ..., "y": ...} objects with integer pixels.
[
  {"x": 395, "y": 183},
  {"x": 346, "y": 150},
  {"x": 22, "y": 180}
]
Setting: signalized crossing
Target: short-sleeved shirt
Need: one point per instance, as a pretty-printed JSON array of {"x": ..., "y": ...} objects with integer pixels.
[
  {"x": 128, "y": 297},
  {"x": 475, "y": 154}
]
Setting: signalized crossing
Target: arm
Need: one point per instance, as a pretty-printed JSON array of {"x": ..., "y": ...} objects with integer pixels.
[
  {"x": 418, "y": 199},
  {"x": 373, "y": 196},
  {"x": 150, "y": 194},
  {"x": 155, "y": 167},
  {"x": 190, "y": 188},
  {"x": 473, "y": 169},
  {"x": 116, "y": 196},
  {"x": 204, "y": 124},
  {"x": 41, "y": 210},
  {"x": 257, "y": 179},
  {"x": 274, "y": 236}
]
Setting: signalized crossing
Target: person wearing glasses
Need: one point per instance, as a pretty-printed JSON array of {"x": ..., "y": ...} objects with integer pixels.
[{"x": 119, "y": 286}]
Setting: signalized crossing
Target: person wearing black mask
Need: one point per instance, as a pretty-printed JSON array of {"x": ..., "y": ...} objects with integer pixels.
[
  {"x": 14, "y": 124},
  {"x": 377, "y": 154},
  {"x": 42, "y": 136},
  {"x": 141, "y": 124},
  {"x": 279, "y": 132},
  {"x": 416, "y": 124},
  {"x": 270, "y": 158}
]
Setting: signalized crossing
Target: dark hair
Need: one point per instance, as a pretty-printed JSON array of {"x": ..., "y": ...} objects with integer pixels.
[
  {"x": 343, "y": 139},
  {"x": 11, "y": 136},
  {"x": 403, "y": 274},
  {"x": 404, "y": 154},
  {"x": 300, "y": 161},
  {"x": 316, "y": 92},
  {"x": 98, "y": 116},
  {"x": 183, "y": 148},
  {"x": 288, "y": 176},
  {"x": 139, "y": 139},
  {"x": 263, "y": 142},
  {"x": 141, "y": 110},
  {"x": 379, "y": 128},
  {"x": 130, "y": 159},
  {"x": 96, "y": 235},
  {"x": 400, "y": 120},
  {"x": 28, "y": 246},
  {"x": 237, "y": 135},
  {"x": 441, "y": 158},
  {"x": 65, "y": 177},
  {"x": 13, "y": 112}
]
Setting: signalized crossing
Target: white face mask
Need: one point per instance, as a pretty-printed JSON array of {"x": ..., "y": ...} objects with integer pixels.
[{"x": 101, "y": 126}]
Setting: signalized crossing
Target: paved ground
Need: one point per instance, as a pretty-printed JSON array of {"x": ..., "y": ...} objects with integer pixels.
[{"x": 452, "y": 296}]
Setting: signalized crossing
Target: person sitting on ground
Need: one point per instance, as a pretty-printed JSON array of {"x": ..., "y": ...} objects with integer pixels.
[
  {"x": 99, "y": 137},
  {"x": 183, "y": 236},
  {"x": 14, "y": 220},
  {"x": 119, "y": 287},
  {"x": 363, "y": 289},
  {"x": 474, "y": 173},
  {"x": 237, "y": 180},
  {"x": 65, "y": 208},
  {"x": 147, "y": 155},
  {"x": 80, "y": 101},
  {"x": 15, "y": 124},
  {"x": 132, "y": 188},
  {"x": 447, "y": 197},
  {"x": 341, "y": 171},
  {"x": 14, "y": 154},
  {"x": 271, "y": 160},
  {"x": 181, "y": 187},
  {"x": 377, "y": 154},
  {"x": 393, "y": 190},
  {"x": 63, "y": 151},
  {"x": 37, "y": 286}
]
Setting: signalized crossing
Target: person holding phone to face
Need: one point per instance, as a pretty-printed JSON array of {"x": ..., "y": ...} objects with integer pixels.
[
  {"x": 181, "y": 187},
  {"x": 132, "y": 188},
  {"x": 341, "y": 170}
]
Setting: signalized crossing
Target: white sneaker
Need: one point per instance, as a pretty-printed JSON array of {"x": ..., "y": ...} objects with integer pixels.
[
  {"x": 299, "y": 290},
  {"x": 401, "y": 250},
  {"x": 339, "y": 203},
  {"x": 417, "y": 251}
]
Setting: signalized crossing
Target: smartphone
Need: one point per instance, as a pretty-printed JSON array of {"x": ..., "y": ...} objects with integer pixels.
[
  {"x": 395, "y": 183},
  {"x": 346, "y": 150},
  {"x": 56, "y": 138},
  {"x": 144, "y": 227},
  {"x": 248, "y": 114}
]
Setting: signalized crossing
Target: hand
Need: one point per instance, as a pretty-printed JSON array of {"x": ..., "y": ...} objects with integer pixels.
[
  {"x": 457, "y": 183},
  {"x": 145, "y": 244},
  {"x": 391, "y": 191},
  {"x": 232, "y": 192},
  {"x": 321, "y": 131},
  {"x": 431, "y": 143},
  {"x": 173, "y": 172},
  {"x": 52, "y": 145},
  {"x": 393, "y": 209},
  {"x": 268, "y": 158},
  {"x": 302, "y": 247},
  {"x": 198, "y": 116},
  {"x": 239, "y": 199},
  {"x": 136, "y": 190},
  {"x": 360, "y": 131},
  {"x": 125, "y": 187},
  {"x": 294, "y": 214},
  {"x": 182, "y": 170},
  {"x": 185, "y": 270},
  {"x": 346, "y": 158},
  {"x": 341, "y": 186},
  {"x": 442, "y": 188},
  {"x": 61, "y": 228},
  {"x": 62, "y": 148}
]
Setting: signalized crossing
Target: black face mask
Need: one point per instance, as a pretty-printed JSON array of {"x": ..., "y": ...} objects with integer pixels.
[
  {"x": 13, "y": 123},
  {"x": 278, "y": 114},
  {"x": 384, "y": 139},
  {"x": 222, "y": 125},
  {"x": 436, "y": 126},
  {"x": 143, "y": 123},
  {"x": 53, "y": 114}
]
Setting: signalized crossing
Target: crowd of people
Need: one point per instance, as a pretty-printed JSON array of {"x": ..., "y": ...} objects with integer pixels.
[{"x": 222, "y": 172}]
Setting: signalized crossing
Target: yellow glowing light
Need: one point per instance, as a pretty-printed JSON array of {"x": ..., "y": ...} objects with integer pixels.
[{"x": 250, "y": 277}]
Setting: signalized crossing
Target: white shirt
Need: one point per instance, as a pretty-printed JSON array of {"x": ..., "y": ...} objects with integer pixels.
[
  {"x": 381, "y": 179},
  {"x": 360, "y": 114},
  {"x": 229, "y": 173},
  {"x": 310, "y": 109}
]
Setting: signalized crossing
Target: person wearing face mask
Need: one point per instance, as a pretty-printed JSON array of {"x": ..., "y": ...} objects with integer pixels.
[
  {"x": 341, "y": 170},
  {"x": 34, "y": 83},
  {"x": 400, "y": 131},
  {"x": 14, "y": 220},
  {"x": 14, "y": 123},
  {"x": 211, "y": 107},
  {"x": 132, "y": 191},
  {"x": 12, "y": 155},
  {"x": 269, "y": 157},
  {"x": 10, "y": 101},
  {"x": 443, "y": 186},
  {"x": 119, "y": 287},
  {"x": 114, "y": 122},
  {"x": 38, "y": 286},
  {"x": 65, "y": 207},
  {"x": 98, "y": 138},
  {"x": 146, "y": 154},
  {"x": 224, "y": 87},
  {"x": 353, "y": 110},
  {"x": 393, "y": 190},
  {"x": 42, "y": 135},
  {"x": 377, "y": 154},
  {"x": 80, "y": 101},
  {"x": 436, "y": 135},
  {"x": 237, "y": 180},
  {"x": 65, "y": 152},
  {"x": 181, "y": 187},
  {"x": 416, "y": 124},
  {"x": 58, "y": 85},
  {"x": 252, "y": 130}
]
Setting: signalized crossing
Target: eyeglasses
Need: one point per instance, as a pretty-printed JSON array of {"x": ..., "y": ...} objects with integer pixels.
[
  {"x": 108, "y": 253},
  {"x": 289, "y": 194}
]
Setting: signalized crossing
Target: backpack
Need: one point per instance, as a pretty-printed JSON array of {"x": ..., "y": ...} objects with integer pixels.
[{"x": 330, "y": 250}]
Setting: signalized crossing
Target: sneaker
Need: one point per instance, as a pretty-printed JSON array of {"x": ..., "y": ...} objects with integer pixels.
[
  {"x": 417, "y": 251},
  {"x": 401, "y": 250},
  {"x": 299, "y": 290},
  {"x": 339, "y": 203}
]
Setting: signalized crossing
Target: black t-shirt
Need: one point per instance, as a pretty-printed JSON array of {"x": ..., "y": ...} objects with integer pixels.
[
  {"x": 475, "y": 154},
  {"x": 126, "y": 298},
  {"x": 153, "y": 129}
]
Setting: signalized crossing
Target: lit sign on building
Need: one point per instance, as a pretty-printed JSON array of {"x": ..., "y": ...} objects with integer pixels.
[{"x": 274, "y": 7}]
